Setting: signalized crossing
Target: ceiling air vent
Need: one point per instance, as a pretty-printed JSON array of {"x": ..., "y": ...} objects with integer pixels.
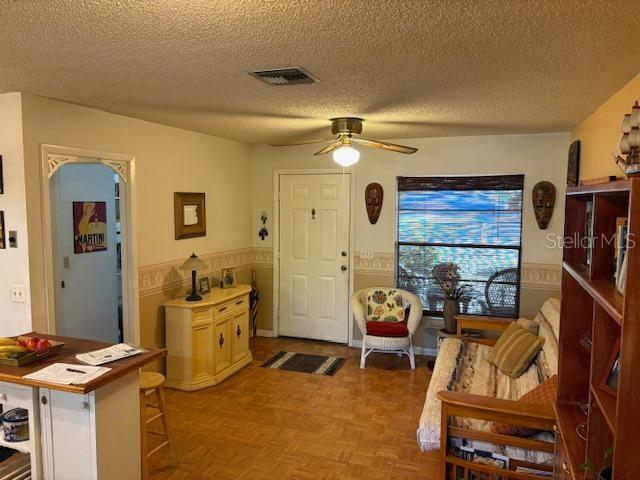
[{"x": 285, "y": 76}]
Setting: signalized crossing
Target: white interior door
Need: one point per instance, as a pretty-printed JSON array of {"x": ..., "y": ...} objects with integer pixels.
[
  {"x": 87, "y": 284},
  {"x": 314, "y": 256}
]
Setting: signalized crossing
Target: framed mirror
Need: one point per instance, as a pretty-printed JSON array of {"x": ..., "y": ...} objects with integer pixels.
[{"x": 190, "y": 215}]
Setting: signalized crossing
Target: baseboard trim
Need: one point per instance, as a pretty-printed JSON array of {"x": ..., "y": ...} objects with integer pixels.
[
  {"x": 265, "y": 333},
  {"x": 429, "y": 352}
]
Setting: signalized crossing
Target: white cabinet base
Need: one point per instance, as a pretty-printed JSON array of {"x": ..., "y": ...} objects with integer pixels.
[{"x": 94, "y": 436}]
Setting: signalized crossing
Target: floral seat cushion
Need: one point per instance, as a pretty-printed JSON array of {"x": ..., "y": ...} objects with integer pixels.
[{"x": 385, "y": 306}]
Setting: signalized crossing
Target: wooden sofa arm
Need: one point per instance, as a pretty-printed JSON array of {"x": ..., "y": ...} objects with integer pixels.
[
  {"x": 483, "y": 323},
  {"x": 460, "y": 404}
]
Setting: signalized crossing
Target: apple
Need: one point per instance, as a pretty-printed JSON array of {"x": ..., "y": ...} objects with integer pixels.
[
  {"x": 22, "y": 341},
  {"x": 32, "y": 343},
  {"x": 43, "y": 344}
]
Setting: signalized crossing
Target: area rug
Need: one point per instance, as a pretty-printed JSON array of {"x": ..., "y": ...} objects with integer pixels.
[{"x": 301, "y": 362}]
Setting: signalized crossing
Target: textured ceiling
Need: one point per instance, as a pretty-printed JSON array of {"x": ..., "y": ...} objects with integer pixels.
[{"x": 409, "y": 68}]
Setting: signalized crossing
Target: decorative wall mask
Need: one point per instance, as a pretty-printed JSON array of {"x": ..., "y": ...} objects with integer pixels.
[
  {"x": 373, "y": 196},
  {"x": 544, "y": 201}
]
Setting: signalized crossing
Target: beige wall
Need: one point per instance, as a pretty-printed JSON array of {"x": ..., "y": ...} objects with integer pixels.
[
  {"x": 14, "y": 263},
  {"x": 539, "y": 157},
  {"x": 168, "y": 160},
  {"x": 599, "y": 133}
]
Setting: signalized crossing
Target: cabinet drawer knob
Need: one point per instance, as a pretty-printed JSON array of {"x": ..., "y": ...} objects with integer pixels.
[
  {"x": 43, "y": 400},
  {"x": 239, "y": 302},
  {"x": 3, "y": 397},
  {"x": 565, "y": 468},
  {"x": 238, "y": 331},
  {"x": 222, "y": 309},
  {"x": 221, "y": 340}
]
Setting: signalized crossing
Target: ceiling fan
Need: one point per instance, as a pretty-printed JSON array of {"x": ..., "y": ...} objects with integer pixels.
[{"x": 343, "y": 152}]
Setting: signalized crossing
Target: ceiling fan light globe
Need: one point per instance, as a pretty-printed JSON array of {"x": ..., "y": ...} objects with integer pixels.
[{"x": 346, "y": 156}]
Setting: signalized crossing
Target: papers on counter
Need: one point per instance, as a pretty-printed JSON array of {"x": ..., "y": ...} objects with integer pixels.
[
  {"x": 67, "y": 374},
  {"x": 109, "y": 354}
]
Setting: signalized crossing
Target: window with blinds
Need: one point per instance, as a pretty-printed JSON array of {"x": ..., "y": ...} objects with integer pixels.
[{"x": 473, "y": 222}]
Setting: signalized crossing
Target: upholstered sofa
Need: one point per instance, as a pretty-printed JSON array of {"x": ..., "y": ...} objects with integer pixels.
[{"x": 467, "y": 382}]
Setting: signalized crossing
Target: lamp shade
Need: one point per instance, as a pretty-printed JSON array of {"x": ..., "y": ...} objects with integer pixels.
[{"x": 193, "y": 263}]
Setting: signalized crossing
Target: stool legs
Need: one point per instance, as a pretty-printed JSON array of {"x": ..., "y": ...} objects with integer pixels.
[
  {"x": 144, "y": 459},
  {"x": 165, "y": 426},
  {"x": 145, "y": 431}
]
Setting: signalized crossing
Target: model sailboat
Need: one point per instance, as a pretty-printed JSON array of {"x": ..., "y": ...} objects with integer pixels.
[{"x": 629, "y": 145}]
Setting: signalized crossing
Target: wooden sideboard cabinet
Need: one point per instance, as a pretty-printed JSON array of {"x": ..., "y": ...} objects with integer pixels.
[{"x": 207, "y": 340}]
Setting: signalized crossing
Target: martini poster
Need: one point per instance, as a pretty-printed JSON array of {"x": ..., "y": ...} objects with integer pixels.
[{"x": 89, "y": 227}]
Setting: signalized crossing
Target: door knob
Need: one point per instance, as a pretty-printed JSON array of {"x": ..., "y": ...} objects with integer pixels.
[
  {"x": 344, "y": 254},
  {"x": 343, "y": 268}
]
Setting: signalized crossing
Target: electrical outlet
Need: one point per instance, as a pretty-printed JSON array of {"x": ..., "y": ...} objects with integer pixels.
[
  {"x": 17, "y": 293},
  {"x": 367, "y": 255}
]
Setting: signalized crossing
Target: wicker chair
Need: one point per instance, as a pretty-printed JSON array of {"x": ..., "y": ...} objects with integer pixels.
[
  {"x": 500, "y": 292},
  {"x": 398, "y": 345}
]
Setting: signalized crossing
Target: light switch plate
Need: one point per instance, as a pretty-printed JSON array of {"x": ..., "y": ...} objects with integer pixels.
[
  {"x": 367, "y": 254},
  {"x": 17, "y": 293}
]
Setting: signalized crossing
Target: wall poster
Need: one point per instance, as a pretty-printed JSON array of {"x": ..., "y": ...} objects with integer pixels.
[{"x": 89, "y": 227}]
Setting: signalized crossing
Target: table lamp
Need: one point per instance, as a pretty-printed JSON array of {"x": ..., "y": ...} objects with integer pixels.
[{"x": 193, "y": 264}]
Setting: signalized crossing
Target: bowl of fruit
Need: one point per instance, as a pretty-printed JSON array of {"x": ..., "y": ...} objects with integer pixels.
[{"x": 26, "y": 349}]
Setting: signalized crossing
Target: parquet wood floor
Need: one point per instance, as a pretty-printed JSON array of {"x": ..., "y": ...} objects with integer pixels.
[{"x": 269, "y": 424}]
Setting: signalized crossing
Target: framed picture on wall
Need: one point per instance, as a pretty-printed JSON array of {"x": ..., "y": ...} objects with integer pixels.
[
  {"x": 3, "y": 242},
  {"x": 89, "y": 227},
  {"x": 189, "y": 215}
]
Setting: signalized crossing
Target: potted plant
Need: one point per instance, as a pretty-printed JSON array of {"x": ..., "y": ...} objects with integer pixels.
[{"x": 447, "y": 277}]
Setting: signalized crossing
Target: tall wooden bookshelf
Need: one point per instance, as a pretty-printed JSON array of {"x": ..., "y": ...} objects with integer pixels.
[{"x": 593, "y": 308}]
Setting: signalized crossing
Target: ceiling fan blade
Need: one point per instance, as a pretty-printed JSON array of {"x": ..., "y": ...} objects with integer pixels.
[
  {"x": 329, "y": 148},
  {"x": 307, "y": 142},
  {"x": 385, "y": 145}
]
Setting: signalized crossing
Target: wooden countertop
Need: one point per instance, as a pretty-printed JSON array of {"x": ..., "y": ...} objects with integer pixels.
[
  {"x": 215, "y": 297},
  {"x": 67, "y": 354}
]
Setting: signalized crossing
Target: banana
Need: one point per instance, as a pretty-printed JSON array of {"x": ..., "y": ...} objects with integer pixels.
[
  {"x": 7, "y": 341},
  {"x": 4, "y": 355},
  {"x": 12, "y": 349}
]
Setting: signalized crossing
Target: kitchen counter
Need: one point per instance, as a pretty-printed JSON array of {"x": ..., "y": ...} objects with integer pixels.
[
  {"x": 78, "y": 432},
  {"x": 67, "y": 354}
]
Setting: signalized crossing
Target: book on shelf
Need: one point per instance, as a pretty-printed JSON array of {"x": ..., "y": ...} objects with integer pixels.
[
  {"x": 480, "y": 457},
  {"x": 620, "y": 253},
  {"x": 588, "y": 231}
]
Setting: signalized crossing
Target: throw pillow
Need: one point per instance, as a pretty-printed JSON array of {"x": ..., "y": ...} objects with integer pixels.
[
  {"x": 387, "y": 329},
  {"x": 529, "y": 325},
  {"x": 385, "y": 306},
  {"x": 515, "y": 350},
  {"x": 543, "y": 394}
]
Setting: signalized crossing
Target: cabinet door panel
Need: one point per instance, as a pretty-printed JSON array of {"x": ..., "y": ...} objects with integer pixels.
[
  {"x": 222, "y": 345},
  {"x": 67, "y": 439},
  {"x": 202, "y": 350},
  {"x": 240, "y": 335}
]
